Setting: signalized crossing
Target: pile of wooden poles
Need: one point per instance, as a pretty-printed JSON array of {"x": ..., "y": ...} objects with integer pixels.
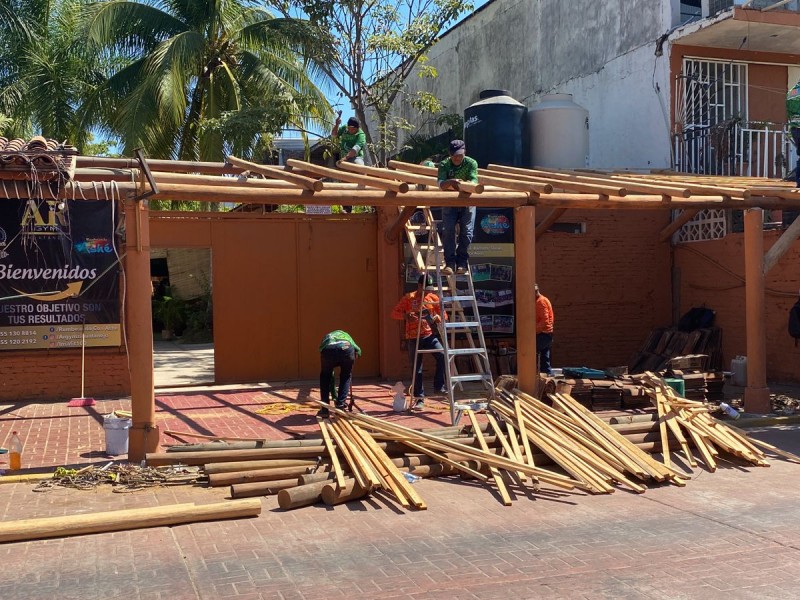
[
  {"x": 688, "y": 420},
  {"x": 581, "y": 443},
  {"x": 511, "y": 450}
]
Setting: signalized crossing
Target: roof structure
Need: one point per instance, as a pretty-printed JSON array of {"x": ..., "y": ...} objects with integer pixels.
[{"x": 403, "y": 184}]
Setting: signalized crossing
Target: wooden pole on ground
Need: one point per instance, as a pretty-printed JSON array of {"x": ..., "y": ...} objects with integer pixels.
[{"x": 123, "y": 520}]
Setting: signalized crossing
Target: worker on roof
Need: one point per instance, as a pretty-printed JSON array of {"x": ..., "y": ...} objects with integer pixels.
[{"x": 457, "y": 167}]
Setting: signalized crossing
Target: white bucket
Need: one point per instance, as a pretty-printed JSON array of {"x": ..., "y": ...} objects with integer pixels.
[{"x": 116, "y": 430}]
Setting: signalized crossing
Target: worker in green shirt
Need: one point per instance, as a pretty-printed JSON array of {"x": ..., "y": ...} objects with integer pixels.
[
  {"x": 337, "y": 349},
  {"x": 458, "y": 167},
  {"x": 352, "y": 139}
]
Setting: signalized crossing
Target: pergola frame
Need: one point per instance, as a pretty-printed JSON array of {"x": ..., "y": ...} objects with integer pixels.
[{"x": 402, "y": 187}]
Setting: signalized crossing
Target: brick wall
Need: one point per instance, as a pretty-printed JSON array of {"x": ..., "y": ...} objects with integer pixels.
[
  {"x": 712, "y": 273},
  {"x": 56, "y": 375},
  {"x": 609, "y": 286}
]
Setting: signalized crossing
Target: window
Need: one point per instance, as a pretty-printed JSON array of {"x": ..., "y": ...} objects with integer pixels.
[
  {"x": 690, "y": 11},
  {"x": 711, "y": 92}
]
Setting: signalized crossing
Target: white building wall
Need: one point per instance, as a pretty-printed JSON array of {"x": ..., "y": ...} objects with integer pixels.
[{"x": 600, "y": 51}]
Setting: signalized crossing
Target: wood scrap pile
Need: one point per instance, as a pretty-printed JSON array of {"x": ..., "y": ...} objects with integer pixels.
[
  {"x": 509, "y": 449},
  {"x": 581, "y": 443},
  {"x": 691, "y": 421}
]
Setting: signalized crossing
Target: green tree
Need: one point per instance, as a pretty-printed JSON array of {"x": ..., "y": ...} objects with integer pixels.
[
  {"x": 376, "y": 45},
  {"x": 46, "y": 69},
  {"x": 186, "y": 72}
]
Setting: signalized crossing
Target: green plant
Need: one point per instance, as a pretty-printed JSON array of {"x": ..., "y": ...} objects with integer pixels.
[{"x": 171, "y": 312}]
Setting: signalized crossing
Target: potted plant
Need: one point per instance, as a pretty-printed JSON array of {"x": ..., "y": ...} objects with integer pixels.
[{"x": 170, "y": 311}]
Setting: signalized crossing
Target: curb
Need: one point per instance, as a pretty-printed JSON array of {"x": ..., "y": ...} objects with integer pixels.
[{"x": 764, "y": 420}]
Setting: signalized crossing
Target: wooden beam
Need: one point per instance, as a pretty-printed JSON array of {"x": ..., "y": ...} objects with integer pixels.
[
  {"x": 550, "y": 218},
  {"x": 756, "y": 394},
  {"x": 393, "y": 231},
  {"x": 679, "y": 221},
  {"x": 398, "y": 187},
  {"x": 307, "y": 183},
  {"x": 124, "y": 520},
  {"x": 525, "y": 255},
  {"x": 781, "y": 246},
  {"x": 388, "y": 173}
]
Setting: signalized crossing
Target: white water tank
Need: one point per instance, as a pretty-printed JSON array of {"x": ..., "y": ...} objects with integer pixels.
[{"x": 558, "y": 133}]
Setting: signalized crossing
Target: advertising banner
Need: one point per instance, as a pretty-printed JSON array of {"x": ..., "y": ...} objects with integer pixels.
[
  {"x": 59, "y": 274},
  {"x": 492, "y": 265}
]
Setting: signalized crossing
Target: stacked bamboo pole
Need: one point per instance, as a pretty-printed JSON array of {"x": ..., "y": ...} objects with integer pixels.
[{"x": 691, "y": 421}]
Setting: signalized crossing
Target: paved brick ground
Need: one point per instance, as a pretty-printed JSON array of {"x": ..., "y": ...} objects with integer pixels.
[{"x": 728, "y": 535}]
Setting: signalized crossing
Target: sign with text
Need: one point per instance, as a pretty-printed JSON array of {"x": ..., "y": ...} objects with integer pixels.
[{"x": 59, "y": 274}]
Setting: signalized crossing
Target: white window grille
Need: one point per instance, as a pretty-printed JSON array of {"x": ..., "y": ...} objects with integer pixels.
[
  {"x": 709, "y": 224},
  {"x": 711, "y": 92}
]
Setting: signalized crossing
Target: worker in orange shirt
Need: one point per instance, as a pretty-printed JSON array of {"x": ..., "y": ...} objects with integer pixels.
[
  {"x": 544, "y": 330},
  {"x": 412, "y": 306}
]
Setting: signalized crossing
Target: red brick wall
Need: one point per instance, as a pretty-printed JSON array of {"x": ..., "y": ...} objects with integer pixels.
[
  {"x": 56, "y": 374},
  {"x": 712, "y": 273},
  {"x": 609, "y": 286}
]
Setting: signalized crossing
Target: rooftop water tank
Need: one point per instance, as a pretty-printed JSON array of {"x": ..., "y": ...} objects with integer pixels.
[
  {"x": 494, "y": 129},
  {"x": 558, "y": 133}
]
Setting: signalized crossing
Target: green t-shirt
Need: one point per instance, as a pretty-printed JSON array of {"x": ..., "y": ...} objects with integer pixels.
[
  {"x": 352, "y": 141},
  {"x": 466, "y": 171},
  {"x": 339, "y": 339}
]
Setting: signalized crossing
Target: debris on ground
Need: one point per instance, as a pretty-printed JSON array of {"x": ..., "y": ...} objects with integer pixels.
[{"x": 124, "y": 477}]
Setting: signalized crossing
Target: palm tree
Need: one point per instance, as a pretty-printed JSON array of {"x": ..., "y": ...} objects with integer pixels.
[
  {"x": 46, "y": 70},
  {"x": 186, "y": 65}
]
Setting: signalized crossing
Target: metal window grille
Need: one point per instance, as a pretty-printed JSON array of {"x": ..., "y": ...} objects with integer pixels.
[{"x": 712, "y": 92}]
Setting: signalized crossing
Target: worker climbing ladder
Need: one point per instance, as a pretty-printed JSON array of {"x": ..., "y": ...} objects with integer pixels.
[{"x": 461, "y": 333}]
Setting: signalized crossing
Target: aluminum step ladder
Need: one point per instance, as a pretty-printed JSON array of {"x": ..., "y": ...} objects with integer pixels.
[{"x": 463, "y": 324}]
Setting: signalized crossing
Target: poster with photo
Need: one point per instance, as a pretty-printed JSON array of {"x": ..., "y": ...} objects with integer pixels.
[{"x": 491, "y": 264}]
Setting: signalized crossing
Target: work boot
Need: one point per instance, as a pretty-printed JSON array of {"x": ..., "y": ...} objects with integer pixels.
[
  {"x": 448, "y": 270},
  {"x": 341, "y": 405},
  {"x": 323, "y": 412},
  {"x": 419, "y": 404}
]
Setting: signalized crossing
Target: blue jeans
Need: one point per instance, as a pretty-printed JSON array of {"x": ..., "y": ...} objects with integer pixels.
[
  {"x": 330, "y": 358},
  {"x": 427, "y": 343},
  {"x": 464, "y": 217},
  {"x": 795, "y": 133},
  {"x": 544, "y": 343}
]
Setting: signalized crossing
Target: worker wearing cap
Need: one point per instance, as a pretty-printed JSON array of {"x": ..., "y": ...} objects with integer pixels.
[
  {"x": 457, "y": 167},
  {"x": 412, "y": 306},
  {"x": 352, "y": 139},
  {"x": 337, "y": 349}
]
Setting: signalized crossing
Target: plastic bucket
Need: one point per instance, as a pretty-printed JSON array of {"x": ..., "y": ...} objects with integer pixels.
[{"x": 116, "y": 430}]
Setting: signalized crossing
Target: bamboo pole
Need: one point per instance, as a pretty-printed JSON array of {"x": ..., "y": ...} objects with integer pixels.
[
  {"x": 261, "y": 488},
  {"x": 123, "y": 520},
  {"x": 400, "y": 187},
  {"x": 253, "y": 476},
  {"x": 307, "y": 183}
]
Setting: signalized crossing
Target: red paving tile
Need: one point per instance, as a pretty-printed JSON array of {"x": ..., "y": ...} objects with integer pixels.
[{"x": 54, "y": 434}]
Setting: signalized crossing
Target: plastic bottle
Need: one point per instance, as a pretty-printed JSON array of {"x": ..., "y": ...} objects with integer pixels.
[
  {"x": 399, "y": 402},
  {"x": 411, "y": 478},
  {"x": 15, "y": 452},
  {"x": 729, "y": 410}
]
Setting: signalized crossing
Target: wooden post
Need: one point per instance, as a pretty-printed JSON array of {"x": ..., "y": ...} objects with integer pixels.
[
  {"x": 390, "y": 289},
  {"x": 756, "y": 394},
  {"x": 525, "y": 262},
  {"x": 144, "y": 435}
]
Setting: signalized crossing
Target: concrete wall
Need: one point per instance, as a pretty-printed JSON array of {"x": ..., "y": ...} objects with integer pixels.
[{"x": 602, "y": 52}]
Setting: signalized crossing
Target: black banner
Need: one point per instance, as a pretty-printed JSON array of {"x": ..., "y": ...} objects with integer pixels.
[
  {"x": 59, "y": 274},
  {"x": 492, "y": 265}
]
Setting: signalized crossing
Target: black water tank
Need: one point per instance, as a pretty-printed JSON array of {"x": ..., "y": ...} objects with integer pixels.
[{"x": 494, "y": 129}]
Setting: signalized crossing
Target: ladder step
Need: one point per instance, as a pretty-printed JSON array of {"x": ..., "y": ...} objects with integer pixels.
[
  {"x": 462, "y": 325},
  {"x": 457, "y": 298},
  {"x": 470, "y": 377},
  {"x": 430, "y": 351},
  {"x": 466, "y": 351},
  {"x": 470, "y": 406}
]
